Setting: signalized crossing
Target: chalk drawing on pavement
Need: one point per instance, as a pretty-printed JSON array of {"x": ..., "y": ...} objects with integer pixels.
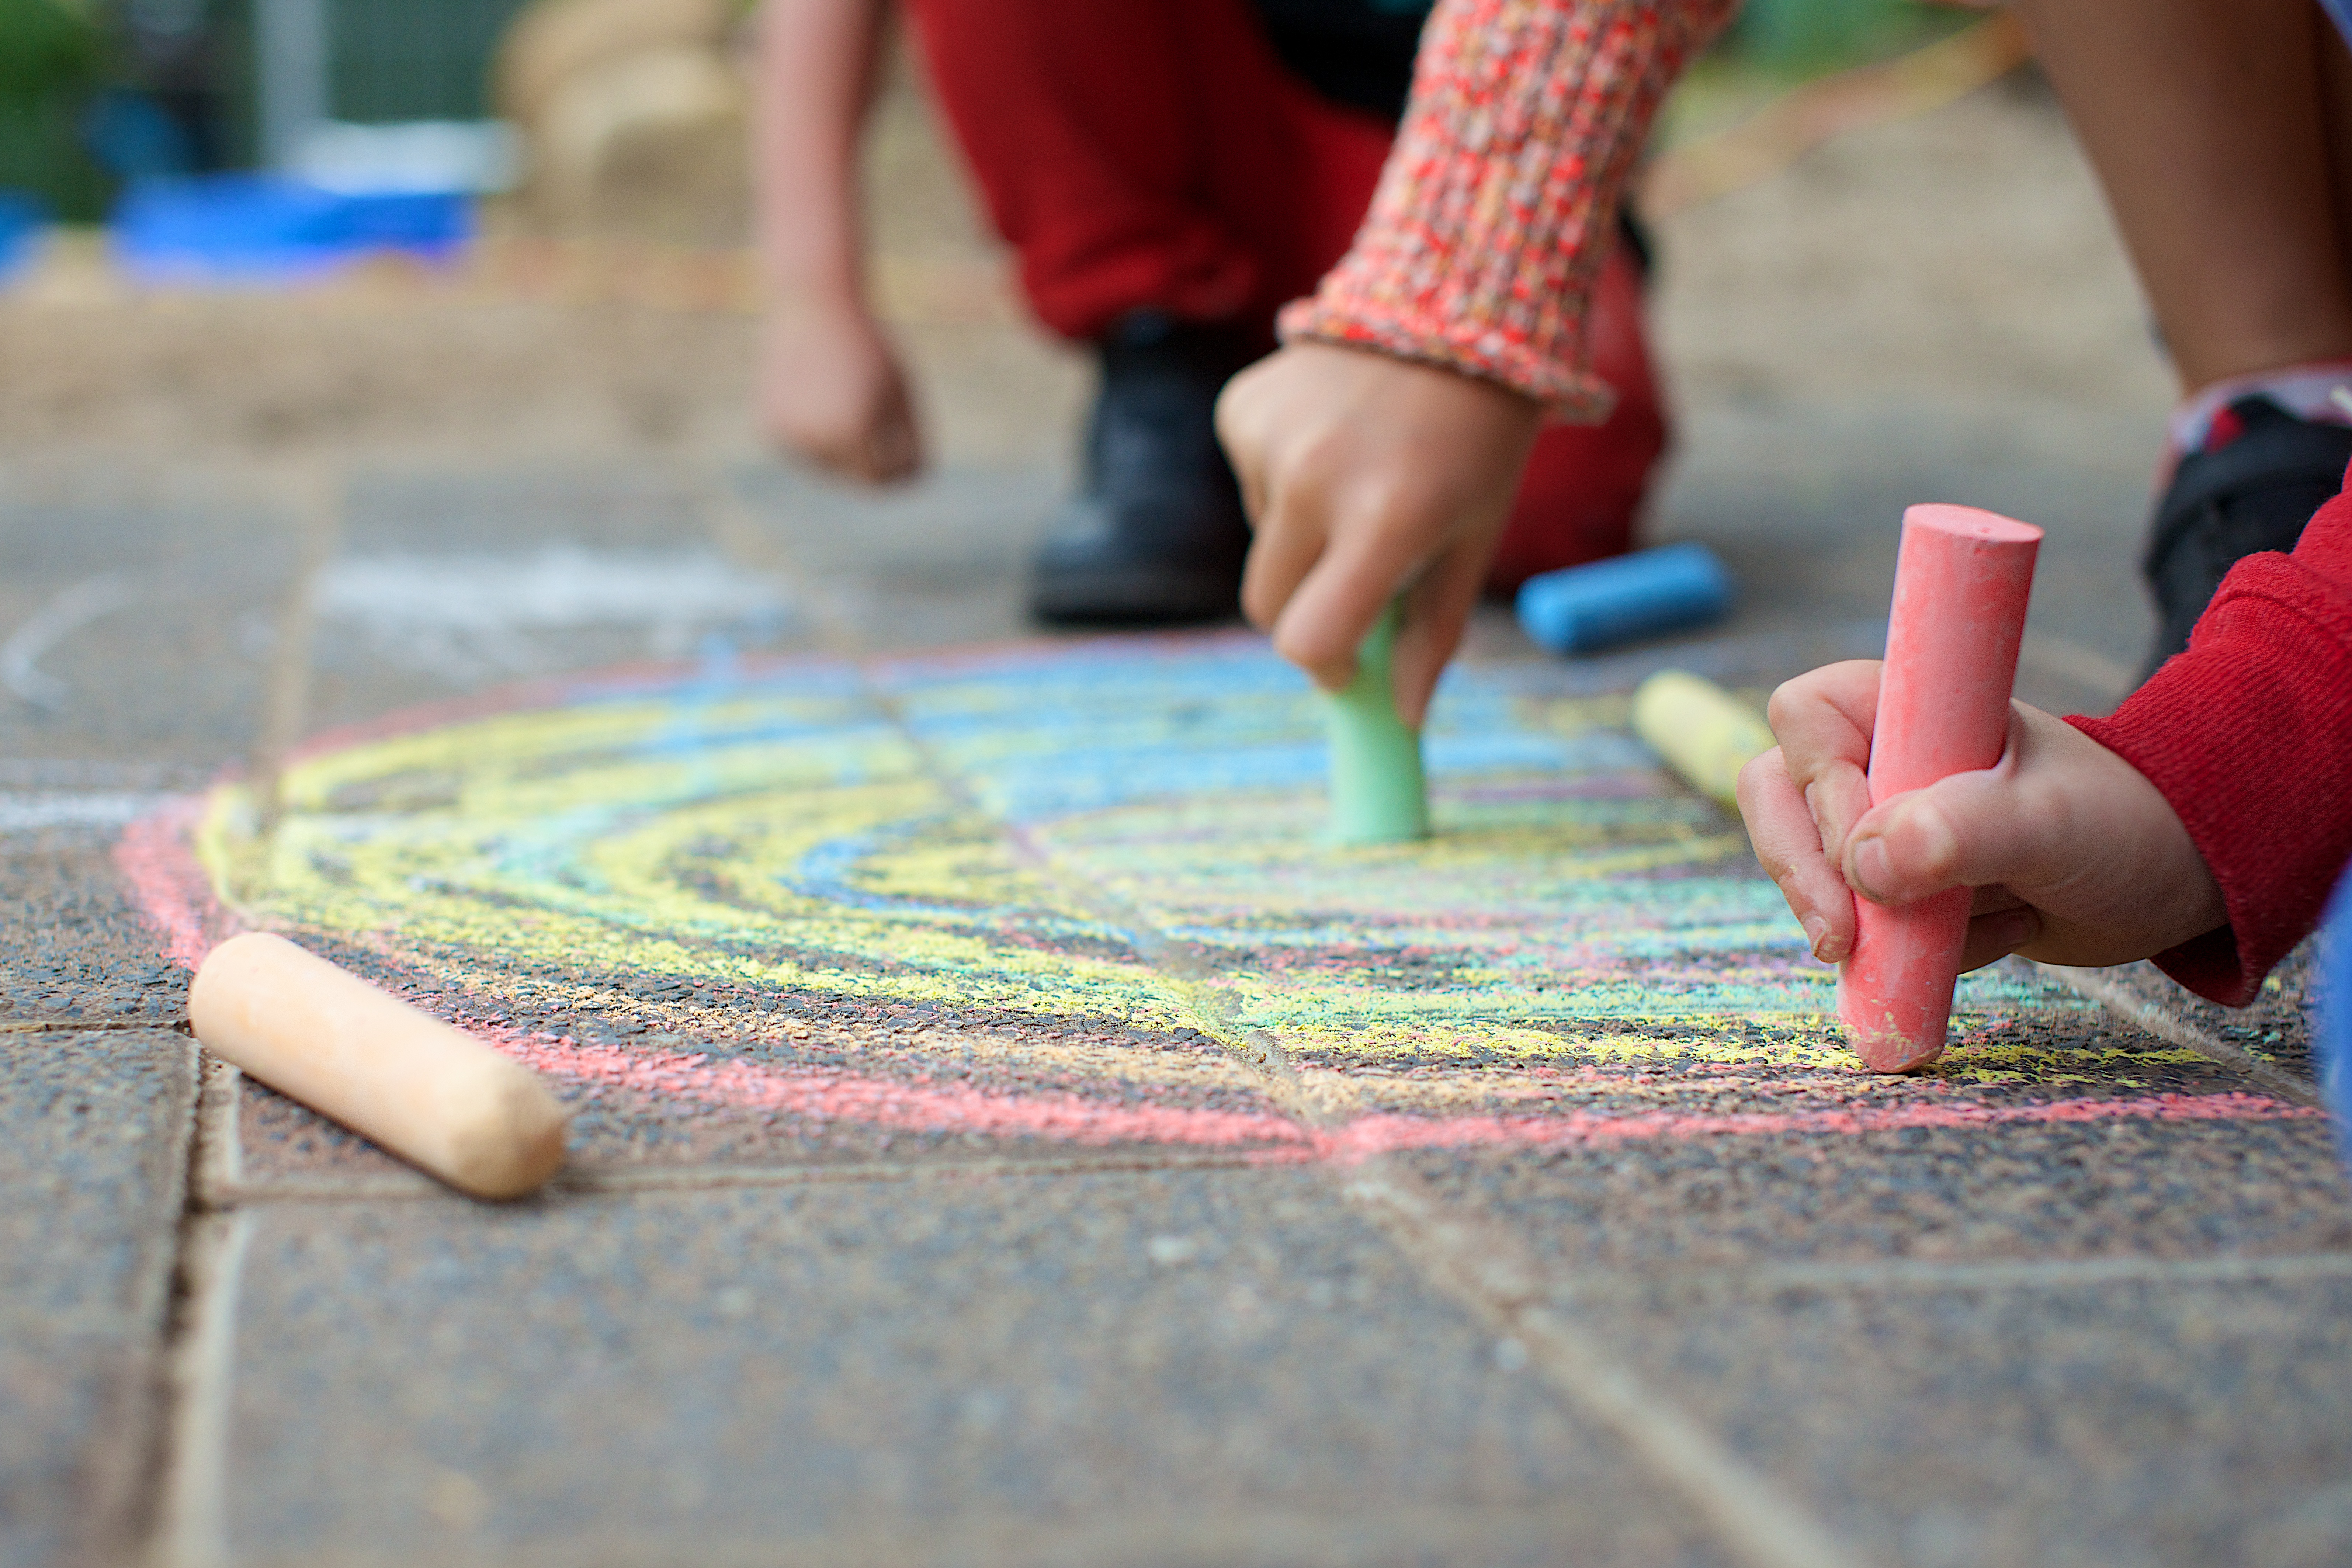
[{"x": 1118, "y": 842}]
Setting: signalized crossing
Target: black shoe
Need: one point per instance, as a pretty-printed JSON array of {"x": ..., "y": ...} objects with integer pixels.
[
  {"x": 1156, "y": 535},
  {"x": 2255, "y": 493}
]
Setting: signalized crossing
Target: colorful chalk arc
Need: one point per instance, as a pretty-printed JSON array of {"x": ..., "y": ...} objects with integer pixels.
[{"x": 802, "y": 897}]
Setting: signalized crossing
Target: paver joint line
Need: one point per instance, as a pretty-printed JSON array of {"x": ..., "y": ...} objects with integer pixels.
[
  {"x": 588, "y": 1186},
  {"x": 1924, "y": 1275},
  {"x": 2167, "y": 1026},
  {"x": 319, "y": 509},
  {"x": 1752, "y": 1517},
  {"x": 192, "y": 1521},
  {"x": 186, "y": 1480},
  {"x": 90, "y": 1026},
  {"x": 191, "y": 1526},
  {"x": 217, "y": 1160}
]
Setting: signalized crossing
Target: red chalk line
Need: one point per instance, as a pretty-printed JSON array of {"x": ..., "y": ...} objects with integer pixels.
[
  {"x": 168, "y": 886},
  {"x": 1074, "y": 1119}
]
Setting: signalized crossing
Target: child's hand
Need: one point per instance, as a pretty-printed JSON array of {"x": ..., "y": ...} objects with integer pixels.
[
  {"x": 831, "y": 390},
  {"x": 2074, "y": 856},
  {"x": 1362, "y": 474}
]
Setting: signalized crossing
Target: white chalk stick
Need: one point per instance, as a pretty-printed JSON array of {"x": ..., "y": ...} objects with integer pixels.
[{"x": 439, "y": 1099}]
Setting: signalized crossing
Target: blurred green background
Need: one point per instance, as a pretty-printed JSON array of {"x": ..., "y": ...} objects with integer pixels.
[
  {"x": 51, "y": 57},
  {"x": 1804, "y": 38}
]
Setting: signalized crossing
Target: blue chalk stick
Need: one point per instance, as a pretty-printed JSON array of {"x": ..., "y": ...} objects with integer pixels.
[{"x": 1645, "y": 595}]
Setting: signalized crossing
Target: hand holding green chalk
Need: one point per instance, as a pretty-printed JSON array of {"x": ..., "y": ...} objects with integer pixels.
[{"x": 1378, "y": 794}]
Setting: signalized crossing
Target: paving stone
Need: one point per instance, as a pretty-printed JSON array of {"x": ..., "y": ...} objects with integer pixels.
[
  {"x": 93, "y": 1146},
  {"x": 1219, "y": 1367},
  {"x": 452, "y": 583},
  {"x": 72, "y": 946},
  {"x": 960, "y": 521},
  {"x": 503, "y": 506},
  {"x": 942, "y": 562},
  {"x": 2128, "y": 1424},
  {"x": 139, "y": 627},
  {"x": 2120, "y": 1185},
  {"x": 83, "y": 1409}
]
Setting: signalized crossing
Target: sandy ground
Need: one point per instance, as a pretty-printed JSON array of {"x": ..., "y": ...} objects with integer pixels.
[
  {"x": 589, "y": 350},
  {"x": 1964, "y": 256}
]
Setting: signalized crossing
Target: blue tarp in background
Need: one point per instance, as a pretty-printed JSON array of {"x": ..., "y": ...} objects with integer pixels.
[
  {"x": 267, "y": 227},
  {"x": 22, "y": 219},
  {"x": 244, "y": 228}
]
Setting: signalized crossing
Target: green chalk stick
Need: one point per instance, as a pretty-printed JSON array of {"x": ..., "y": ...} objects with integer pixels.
[{"x": 1378, "y": 794}]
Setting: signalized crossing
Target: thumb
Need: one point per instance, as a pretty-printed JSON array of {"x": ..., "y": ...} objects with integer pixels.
[{"x": 1971, "y": 830}]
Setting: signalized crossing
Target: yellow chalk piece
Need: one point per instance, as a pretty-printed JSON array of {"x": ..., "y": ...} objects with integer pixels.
[{"x": 1700, "y": 731}]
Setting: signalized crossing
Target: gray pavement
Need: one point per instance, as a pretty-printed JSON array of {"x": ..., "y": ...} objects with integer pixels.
[{"x": 234, "y": 1334}]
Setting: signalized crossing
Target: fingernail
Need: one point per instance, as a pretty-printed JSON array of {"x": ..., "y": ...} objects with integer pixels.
[
  {"x": 1874, "y": 872},
  {"x": 1932, "y": 837},
  {"x": 1817, "y": 931}
]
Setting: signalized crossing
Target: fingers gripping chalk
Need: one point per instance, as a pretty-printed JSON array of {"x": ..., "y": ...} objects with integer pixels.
[
  {"x": 1647, "y": 593},
  {"x": 1961, "y": 582},
  {"x": 437, "y": 1098},
  {"x": 1377, "y": 792},
  {"x": 1700, "y": 731}
]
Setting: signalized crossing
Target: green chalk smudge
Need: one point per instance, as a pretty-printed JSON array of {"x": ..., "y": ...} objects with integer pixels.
[{"x": 1378, "y": 794}]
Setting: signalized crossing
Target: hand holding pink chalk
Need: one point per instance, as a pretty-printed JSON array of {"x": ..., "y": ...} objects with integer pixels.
[
  {"x": 2073, "y": 857},
  {"x": 1961, "y": 582}
]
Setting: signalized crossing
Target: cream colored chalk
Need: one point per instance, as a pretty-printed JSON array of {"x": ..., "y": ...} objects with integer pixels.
[
  {"x": 436, "y": 1098},
  {"x": 1702, "y": 732}
]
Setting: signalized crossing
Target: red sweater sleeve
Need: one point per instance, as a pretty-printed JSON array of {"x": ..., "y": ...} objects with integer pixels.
[{"x": 2249, "y": 735}]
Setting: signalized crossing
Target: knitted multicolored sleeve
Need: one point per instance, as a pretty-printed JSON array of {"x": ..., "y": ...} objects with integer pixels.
[{"x": 1498, "y": 204}]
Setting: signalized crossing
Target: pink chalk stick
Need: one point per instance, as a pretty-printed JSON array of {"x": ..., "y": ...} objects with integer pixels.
[{"x": 1961, "y": 582}]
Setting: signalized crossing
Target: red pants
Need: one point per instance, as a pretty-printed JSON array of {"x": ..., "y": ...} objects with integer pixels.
[{"x": 1155, "y": 154}]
